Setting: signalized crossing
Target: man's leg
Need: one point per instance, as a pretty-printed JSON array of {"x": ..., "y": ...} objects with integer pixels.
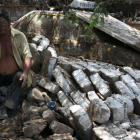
[{"x": 14, "y": 92}]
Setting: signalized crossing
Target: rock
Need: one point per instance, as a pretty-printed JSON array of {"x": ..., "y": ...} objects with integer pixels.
[
  {"x": 137, "y": 105},
  {"x": 47, "y": 68},
  {"x": 132, "y": 73},
  {"x": 48, "y": 116},
  {"x": 64, "y": 111},
  {"x": 44, "y": 43},
  {"x": 61, "y": 80},
  {"x": 82, "y": 122},
  {"x": 64, "y": 99},
  {"x": 34, "y": 127},
  {"x": 122, "y": 89},
  {"x": 60, "y": 128},
  {"x": 115, "y": 131},
  {"x": 65, "y": 65},
  {"x": 127, "y": 103},
  {"x": 36, "y": 61},
  {"x": 137, "y": 137},
  {"x": 36, "y": 40},
  {"x": 77, "y": 67},
  {"x": 36, "y": 95},
  {"x": 109, "y": 76},
  {"x": 52, "y": 50},
  {"x": 83, "y": 81},
  {"x": 101, "y": 134},
  {"x": 61, "y": 137},
  {"x": 101, "y": 85},
  {"x": 92, "y": 95},
  {"x": 90, "y": 70},
  {"x": 100, "y": 112},
  {"x": 77, "y": 97},
  {"x": 129, "y": 81},
  {"x": 45, "y": 54},
  {"x": 135, "y": 120},
  {"x": 48, "y": 85},
  {"x": 117, "y": 110}
]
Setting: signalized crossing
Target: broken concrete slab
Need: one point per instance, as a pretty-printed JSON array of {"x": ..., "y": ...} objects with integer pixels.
[
  {"x": 137, "y": 105},
  {"x": 109, "y": 76},
  {"x": 92, "y": 95},
  {"x": 117, "y": 110},
  {"x": 44, "y": 42},
  {"x": 115, "y": 131},
  {"x": 48, "y": 116},
  {"x": 82, "y": 121},
  {"x": 47, "y": 84},
  {"x": 60, "y": 128},
  {"x": 101, "y": 134},
  {"x": 114, "y": 28},
  {"x": 48, "y": 66},
  {"x": 53, "y": 51},
  {"x": 127, "y": 103},
  {"x": 64, "y": 99},
  {"x": 82, "y": 80},
  {"x": 121, "y": 88},
  {"x": 101, "y": 112},
  {"x": 101, "y": 86},
  {"x": 60, "y": 78},
  {"x": 36, "y": 61},
  {"x": 129, "y": 81},
  {"x": 135, "y": 120},
  {"x": 36, "y": 40},
  {"x": 132, "y": 73},
  {"x": 34, "y": 127},
  {"x": 76, "y": 96},
  {"x": 61, "y": 137},
  {"x": 36, "y": 95}
]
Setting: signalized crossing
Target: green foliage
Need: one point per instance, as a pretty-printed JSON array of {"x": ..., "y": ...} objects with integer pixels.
[{"x": 39, "y": 16}]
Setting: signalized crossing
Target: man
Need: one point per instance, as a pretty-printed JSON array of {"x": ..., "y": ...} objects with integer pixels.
[{"x": 15, "y": 62}]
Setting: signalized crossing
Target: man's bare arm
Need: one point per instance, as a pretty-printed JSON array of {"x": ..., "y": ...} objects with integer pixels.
[{"x": 27, "y": 67}]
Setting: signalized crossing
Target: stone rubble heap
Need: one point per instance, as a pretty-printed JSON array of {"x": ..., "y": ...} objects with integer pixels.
[{"x": 94, "y": 100}]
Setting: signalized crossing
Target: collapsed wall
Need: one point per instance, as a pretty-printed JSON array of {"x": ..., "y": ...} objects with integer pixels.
[{"x": 94, "y": 100}]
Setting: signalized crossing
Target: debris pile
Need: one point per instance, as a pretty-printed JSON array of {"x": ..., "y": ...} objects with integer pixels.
[{"x": 76, "y": 98}]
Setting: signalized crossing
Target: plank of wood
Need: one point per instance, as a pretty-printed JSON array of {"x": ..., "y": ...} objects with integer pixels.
[{"x": 114, "y": 28}]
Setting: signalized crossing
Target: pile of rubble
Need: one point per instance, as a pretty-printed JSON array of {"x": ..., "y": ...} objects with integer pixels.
[{"x": 76, "y": 98}]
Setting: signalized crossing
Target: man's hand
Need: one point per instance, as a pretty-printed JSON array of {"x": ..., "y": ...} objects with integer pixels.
[{"x": 24, "y": 78}]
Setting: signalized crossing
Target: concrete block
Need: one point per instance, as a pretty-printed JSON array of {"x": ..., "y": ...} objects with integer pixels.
[
  {"x": 48, "y": 116},
  {"x": 100, "y": 112},
  {"x": 127, "y": 103},
  {"x": 129, "y": 81},
  {"x": 48, "y": 85},
  {"x": 60, "y": 128},
  {"x": 64, "y": 100},
  {"x": 92, "y": 95},
  {"x": 53, "y": 51},
  {"x": 44, "y": 42},
  {"x": 47, "y": 68},
  {"x": 101, "y": 85},
  {"x": 117, "y": 110},
  {"x": 115, "y": 131},
  {"x": 83, "y": 81},
  {"x": 61, "y": 137},
  {"x": 122, "y": 89},
  {"x": 82, "y": 121},
  {"x": 76, "y": 96},
  {"x": 61, "y": 80},
  {"x": 101, "y": 134},
  {"x": 34, "y": 127},
  {"x": 35, "y": 95},
  {"x": 135, "y": 120},
  {"x": 132, "y": 73}
]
